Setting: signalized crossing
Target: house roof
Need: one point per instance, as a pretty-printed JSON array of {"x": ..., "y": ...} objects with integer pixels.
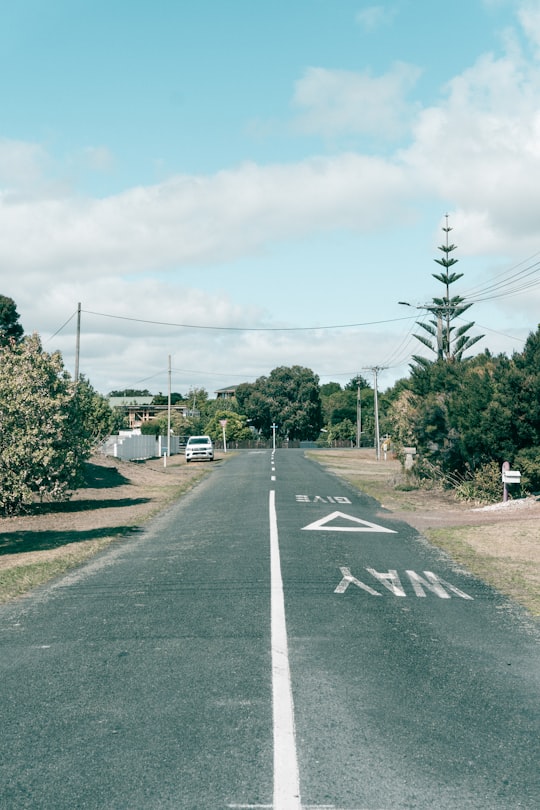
[{"x": 117, "y": 402}]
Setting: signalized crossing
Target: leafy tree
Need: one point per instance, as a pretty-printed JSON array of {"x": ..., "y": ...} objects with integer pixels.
[
  {"x": 93, "y": 415},
  {"x": 10, "y": 328},
  {"x": 344, "y": 431},
  {"x": 288, "y": 397},
  {"x": 197, "y": 399},
  {"x": 330, "y": 388},
  {"x": 355, "y": 382},
  {"x": 163, "y": 399},
  {"x": 450, "y": 342},
  {"x": 339, "y": 405},
  {"x": 236, "y": 429},
  {"x": 46, "y": 433}
]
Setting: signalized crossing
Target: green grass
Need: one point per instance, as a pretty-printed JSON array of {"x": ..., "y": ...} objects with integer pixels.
[{"x": 20, "y": 579}]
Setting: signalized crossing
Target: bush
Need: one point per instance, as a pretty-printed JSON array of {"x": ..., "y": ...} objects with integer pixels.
[
  {"x": 45, "y": 437},
  {"x": 528, "y": 463},
  {"x": 484, "y": 485}
]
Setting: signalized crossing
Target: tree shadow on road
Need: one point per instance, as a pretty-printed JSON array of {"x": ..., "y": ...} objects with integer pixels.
[
  {"x": 24, "y": 541},
  {"x": 97, "y": 476},
  {"x": 82, "y": 505}
]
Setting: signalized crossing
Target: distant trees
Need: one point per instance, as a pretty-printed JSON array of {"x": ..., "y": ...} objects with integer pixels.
[
  {"x": 131, "y": 392},
  {"x": 289, "y": 397},
  {"x": 467, "y": 418},
  {"x": 341, "y": 409}
]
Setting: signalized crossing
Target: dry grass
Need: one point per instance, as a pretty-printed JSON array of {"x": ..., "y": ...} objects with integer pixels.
[
  {"x": 117, "y": 500},
  {"x": 500, "y": 545}
]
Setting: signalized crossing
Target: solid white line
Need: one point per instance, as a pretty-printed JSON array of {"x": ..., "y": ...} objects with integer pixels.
[{"x": 286, "y": 778}]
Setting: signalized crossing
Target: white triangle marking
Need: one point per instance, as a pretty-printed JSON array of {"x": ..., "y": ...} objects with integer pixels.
[{"x": 360, "y": 525}]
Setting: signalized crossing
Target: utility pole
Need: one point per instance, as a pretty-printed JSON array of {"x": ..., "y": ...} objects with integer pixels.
[
  {"x": 375, "y": 370},
  {"x": 358, "y": 412},
  {"x": 169, "y": 412},
  {"x": 78, "y": 344},
  {"x": 376, "y": 408}
]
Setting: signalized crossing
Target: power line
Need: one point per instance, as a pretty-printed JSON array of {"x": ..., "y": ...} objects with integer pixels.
[{"x": 244, "y": 328}]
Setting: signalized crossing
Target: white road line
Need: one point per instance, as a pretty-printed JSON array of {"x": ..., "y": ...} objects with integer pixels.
[{"x": 286, "y": 778}]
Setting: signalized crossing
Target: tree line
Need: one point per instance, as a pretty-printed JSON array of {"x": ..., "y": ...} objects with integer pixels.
[{"x": 464, "y": 415}]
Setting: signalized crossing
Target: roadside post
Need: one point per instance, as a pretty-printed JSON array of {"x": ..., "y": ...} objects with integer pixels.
[
  {"x": 410, "y": 453},
  {"x": 274, "y": 427},
  {"x": 223, "y": 423},
  {"x": 509, "y": 477}
]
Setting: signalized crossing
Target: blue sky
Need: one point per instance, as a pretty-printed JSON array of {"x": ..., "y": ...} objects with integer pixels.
[{"x": 262, "y": 172}]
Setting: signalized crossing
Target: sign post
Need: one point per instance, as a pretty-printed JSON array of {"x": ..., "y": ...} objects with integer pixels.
[
  {"x": 274, "y": 427},
  {"x": 509, "y": 477}
]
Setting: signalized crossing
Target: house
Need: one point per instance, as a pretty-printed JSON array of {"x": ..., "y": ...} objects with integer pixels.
[
  {"x": 226, "y": 393},
  {"x": 140, "y": 409}
]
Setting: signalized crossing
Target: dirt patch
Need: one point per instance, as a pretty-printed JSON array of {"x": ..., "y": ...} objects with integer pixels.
[{"x": 499, "y": 543}]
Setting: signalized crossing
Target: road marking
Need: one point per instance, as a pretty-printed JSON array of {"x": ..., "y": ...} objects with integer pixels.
[
  {"x": 434, "y": 584},
  {"x": 359, "y": 525},
  {"x": 286, "y": 777},
  {"x": 320, "y": 499},
  {"x": 348, "y": 579},
  {"x": 391, "y": 581}
]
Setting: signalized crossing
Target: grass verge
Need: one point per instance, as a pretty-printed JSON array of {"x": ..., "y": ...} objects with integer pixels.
[
  {"x": 24, "y": 565},
  {"x": 20, "y": 579},
  {"x": 511, "y": 576}
]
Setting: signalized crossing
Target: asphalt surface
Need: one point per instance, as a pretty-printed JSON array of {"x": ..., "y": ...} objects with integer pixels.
[{"x": 146, "y": 678}]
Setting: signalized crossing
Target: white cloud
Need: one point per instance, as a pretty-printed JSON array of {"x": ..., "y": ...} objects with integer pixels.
[
  {"x": 23, "y": 167},
  {"x": 476, "y": 152},
  {"x": 337, "y": 102},
  {"x": 480, "y": 150},
  {"x": 529, "y": 17},
  {"x": 195, "y": 220},
  {"x": 373, "y": 17}
]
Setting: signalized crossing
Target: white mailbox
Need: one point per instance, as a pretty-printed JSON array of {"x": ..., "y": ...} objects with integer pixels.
[{"x": 511, "y": 476}]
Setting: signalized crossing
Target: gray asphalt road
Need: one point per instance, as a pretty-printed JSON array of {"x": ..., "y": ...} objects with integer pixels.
[{"x": 158, "y": 675}]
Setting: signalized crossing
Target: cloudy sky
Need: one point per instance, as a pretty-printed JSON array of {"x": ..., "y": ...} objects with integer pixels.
[{"x": 247, "y": 184}]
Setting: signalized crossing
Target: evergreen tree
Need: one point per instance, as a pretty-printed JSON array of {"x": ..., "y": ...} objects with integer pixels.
[
  {"x": 450, "y": 342},
  {"x": 10, "y": 328}
]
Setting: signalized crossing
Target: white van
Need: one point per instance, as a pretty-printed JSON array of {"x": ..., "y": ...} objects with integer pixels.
[{"x": 199, "y": 448}]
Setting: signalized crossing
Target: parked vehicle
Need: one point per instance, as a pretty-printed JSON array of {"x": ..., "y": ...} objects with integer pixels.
[{"x": 199, "y": 448}]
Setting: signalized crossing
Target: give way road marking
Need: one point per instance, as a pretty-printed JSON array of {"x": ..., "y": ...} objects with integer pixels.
[{"x": 359, "y": 525}]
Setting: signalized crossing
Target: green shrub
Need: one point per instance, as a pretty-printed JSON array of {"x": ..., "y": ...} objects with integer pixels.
[
  {"x": 528, "y": 463},
  {"x": 484, "y": 485}
]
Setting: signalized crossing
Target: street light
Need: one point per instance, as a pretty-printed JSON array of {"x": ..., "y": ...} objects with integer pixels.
[{"x": 435, "y": 310}]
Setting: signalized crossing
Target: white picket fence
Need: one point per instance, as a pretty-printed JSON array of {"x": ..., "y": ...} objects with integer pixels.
[{"x": 138, "y": 447}]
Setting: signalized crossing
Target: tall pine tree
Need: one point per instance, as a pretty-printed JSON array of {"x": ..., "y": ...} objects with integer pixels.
[{"x": 450, "y": 341}]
